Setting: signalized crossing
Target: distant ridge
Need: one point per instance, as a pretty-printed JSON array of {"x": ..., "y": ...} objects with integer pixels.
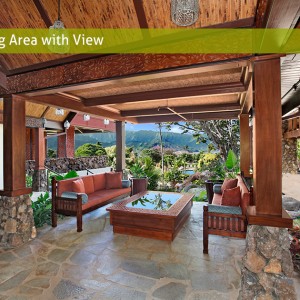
[{"x": 139, "y": 140}]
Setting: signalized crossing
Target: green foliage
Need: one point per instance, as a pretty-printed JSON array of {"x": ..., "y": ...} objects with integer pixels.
[
  {"x": 87, "y": 150},
  {"x": 137, "y": 171},
  {"x": 70, "y": 174},
  {"x": 201, "y": 197},
  {"x": 153, "y": 153},
  {"x": 28, "y": 181},
  {"x": 51, "y": 153},
  {"x": 232, "y": 164},
  {"x": 213, "y": 163},
  {"x": 42, "y": 210}
]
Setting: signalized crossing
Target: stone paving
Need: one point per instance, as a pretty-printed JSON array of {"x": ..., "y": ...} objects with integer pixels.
[{"x": 97, "y": 264}]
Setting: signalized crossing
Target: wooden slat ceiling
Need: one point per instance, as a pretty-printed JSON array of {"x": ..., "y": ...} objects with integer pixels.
[{"x": 107, "y": 14}]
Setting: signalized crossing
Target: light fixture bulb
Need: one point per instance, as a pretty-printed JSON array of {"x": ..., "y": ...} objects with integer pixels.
[
  {"x": 67, "y": 124},
  {"x": 106, "y": 122},
  {"x": 86, "y": 117},
  {"x": 59, "y": 111}
]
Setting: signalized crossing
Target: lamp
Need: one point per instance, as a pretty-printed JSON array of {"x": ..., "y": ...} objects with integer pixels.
[
  {"x": 86, "y": 117},
  {"x": 67, "y": 124},
  {"x": 58, "y": 35},
  {"x": 59, "y": 111},
  {"x": 184, "y": 12},
  {"x": 106, "y": 122}
]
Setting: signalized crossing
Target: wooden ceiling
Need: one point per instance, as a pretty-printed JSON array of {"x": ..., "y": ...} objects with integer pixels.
[{"x": 140, "y": 88}]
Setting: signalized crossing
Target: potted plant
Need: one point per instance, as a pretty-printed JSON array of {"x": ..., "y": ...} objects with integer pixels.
[{"x": 138, "y": 179}]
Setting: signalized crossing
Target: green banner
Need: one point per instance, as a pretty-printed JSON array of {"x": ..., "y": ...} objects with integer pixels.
[{"x": 150, "y": 41}]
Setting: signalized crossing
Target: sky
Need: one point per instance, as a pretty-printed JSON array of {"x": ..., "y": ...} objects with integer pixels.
[{"x": 153, "y": 127}]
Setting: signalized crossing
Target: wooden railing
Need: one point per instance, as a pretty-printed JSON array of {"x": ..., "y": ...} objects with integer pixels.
[{"x": 293, "y": 128}]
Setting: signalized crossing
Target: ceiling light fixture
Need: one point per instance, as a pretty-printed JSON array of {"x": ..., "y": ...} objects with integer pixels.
[
  {"x": 86, "y": 117},
  {"x": 67, "y": 124},
  {"x": 59, "y": 111},
  {"x": 106, "y": 122},
  {"x": 184, "y": 12}
]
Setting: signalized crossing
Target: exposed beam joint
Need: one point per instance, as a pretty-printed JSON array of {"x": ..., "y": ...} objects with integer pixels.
[
  {"x": 214, "y": 89},
  {"x": 178, "y": 114},
  {"x": 43, "y": 13}
]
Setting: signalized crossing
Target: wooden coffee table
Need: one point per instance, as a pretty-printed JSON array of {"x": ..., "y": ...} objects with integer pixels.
[{"x": 157, "y": 215}]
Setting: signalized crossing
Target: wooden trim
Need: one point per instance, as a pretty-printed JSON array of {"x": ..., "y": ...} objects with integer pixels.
[
  {"x": 241, "y": 23},
  {"x": 102, "y": 68},
  {"x": 283, "y": 221},
  {"x": 15, "y": 193},
  {"x": 222, "y": 88},
  {"x": 43, "y": 13},
  {"x": 181, "y": 109},
  {"x": 3, "y": 80},
  {"x": 245, "y": 145},
  {"x": 248, "y": 99},
  {"x": 191, "y": 117},
  {"x": 45, "y": 111},
  {"x": 71, "y": 115},
  {"x": 292, "y": 134},
  {"x": 140, "y": 13},
  {"x": 120, "y": 146}
]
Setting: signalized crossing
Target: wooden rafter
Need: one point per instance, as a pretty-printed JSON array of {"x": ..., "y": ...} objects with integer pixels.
[
  {"x": 140, "y": 13},
  {"x": 224, "y": 88},
  {"x": 189, "y": 117},
  {"x": 181, "y": 109},
  {"x": 39, "y": 6},
  {"x": 3, "y": 80},
  {"x": 75, "y": 106}
]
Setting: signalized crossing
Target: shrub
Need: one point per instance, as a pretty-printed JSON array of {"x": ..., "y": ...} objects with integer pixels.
[
  {"x": 42, "y": 210},
  {"x": 87, "y": 150}
]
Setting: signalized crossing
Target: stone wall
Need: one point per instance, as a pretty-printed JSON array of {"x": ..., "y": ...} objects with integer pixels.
[
  {"x": 289, "y": 152},
  {"x": 17, "y": 225},
  {"x": 39, "y": 181},
  {"x": 267, "y": 265},
  {"x": 64, "y": 165}
]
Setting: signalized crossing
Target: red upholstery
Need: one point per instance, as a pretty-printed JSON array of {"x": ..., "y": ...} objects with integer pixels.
[
  {"x": 229, "y": 183},
  {"x": 217, "y": 199},
  {"x": 78, "y": 186},
  {"x": 231, "y": 197},
  {"x": 64, "y": 186},
  {"x": 113, "y": 180},
  {"x": 88, "y": 184},
  {"x": 99, "y": 182},
  {"x": 104, "y": 195}
]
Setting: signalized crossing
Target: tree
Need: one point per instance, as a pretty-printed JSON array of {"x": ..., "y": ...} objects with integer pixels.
[
  {"x": 90, "y": 150},
  {"x": 223, "y": 134}
]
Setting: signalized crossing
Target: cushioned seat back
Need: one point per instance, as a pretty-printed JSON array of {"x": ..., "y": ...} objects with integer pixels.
[
  {"x": 99, "y": 181},
  {"x": 64, "y": 186},
  {"x": 245, "y": 195}
]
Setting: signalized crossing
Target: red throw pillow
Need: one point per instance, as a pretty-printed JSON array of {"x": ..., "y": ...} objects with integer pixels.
[
  {"x": 229, "y": 183},
  {"x": 99, "y": 182},
  {"x": 231, "y": 197},
  {"x": 113, "y": 180},
  {"x": 78, "y": 186},
  {"x": 88, "y": 182}
]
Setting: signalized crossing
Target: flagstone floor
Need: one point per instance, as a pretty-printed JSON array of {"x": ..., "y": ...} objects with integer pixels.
[{"x": 97, "y": 264}]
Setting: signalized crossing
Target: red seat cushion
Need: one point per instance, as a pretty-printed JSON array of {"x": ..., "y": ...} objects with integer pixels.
[
  {"x": 78, "y": 186},
  {"x": 99, "y": 182},
  {"x": 113, "y": 180},
  {"x": 229, "y": 183},
  {"x": 88, "y": 182},
  {"x": 231, "y": 197}
]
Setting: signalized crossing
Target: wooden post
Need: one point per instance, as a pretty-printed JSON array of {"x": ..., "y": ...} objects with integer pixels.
[
  {"x": 267, "y": 152},
  {"x": 245, "y": 145},
  {"x": 61, "y": 146},
  {"x": 39, "y": 149},
  {"x": 70, "y": 142},
  {"x": 14, "y": 146},
  {"x": 120, "y": 146}
]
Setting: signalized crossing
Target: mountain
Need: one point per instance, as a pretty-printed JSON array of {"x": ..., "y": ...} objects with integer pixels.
[{"x": 139, "y": 140}]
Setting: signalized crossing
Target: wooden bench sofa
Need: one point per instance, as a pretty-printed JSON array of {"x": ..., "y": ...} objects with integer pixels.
[
  {"x": 224, "y": 220},
  {"x": 78, "y": 196}
]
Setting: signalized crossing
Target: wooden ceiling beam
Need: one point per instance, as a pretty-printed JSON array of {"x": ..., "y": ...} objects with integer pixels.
[
  {"x": 181, "y": 109},
  {"x": 98, "y": 69},
  {"x": 241, "y": 23},
  {"x": 75, "y": 106},
  {"x": 43, "y": 13},
  {"x": 3, "y": 80},
  {"x": 189, "y": 117},
  {"x": 213, "y": 89},
  {"x": 140, "y": 13}
]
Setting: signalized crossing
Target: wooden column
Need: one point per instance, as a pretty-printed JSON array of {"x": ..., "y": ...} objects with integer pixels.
[
  {"x": 245, "y": 145},
  {"x": 14, "y": 146},
  {"x": 267, "y": 152},
  {"x": 61, "y": 146},
  {"x": 40, "y": 153},
  {"x": 70, "y": 142},
  {"x": 120, "y": 146}
]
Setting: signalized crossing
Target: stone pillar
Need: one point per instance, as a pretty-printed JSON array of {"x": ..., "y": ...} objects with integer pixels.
[
  {"x": 289, "y": 152},
  {"x": 120, "y": 146},
  {"x": 267, "y": 266},
  {"x": 39, "y": 178},
  {"x": 16, "y": 226}
]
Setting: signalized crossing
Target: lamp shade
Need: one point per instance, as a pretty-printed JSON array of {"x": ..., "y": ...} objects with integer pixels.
[{"x": 184, "y": 12}]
